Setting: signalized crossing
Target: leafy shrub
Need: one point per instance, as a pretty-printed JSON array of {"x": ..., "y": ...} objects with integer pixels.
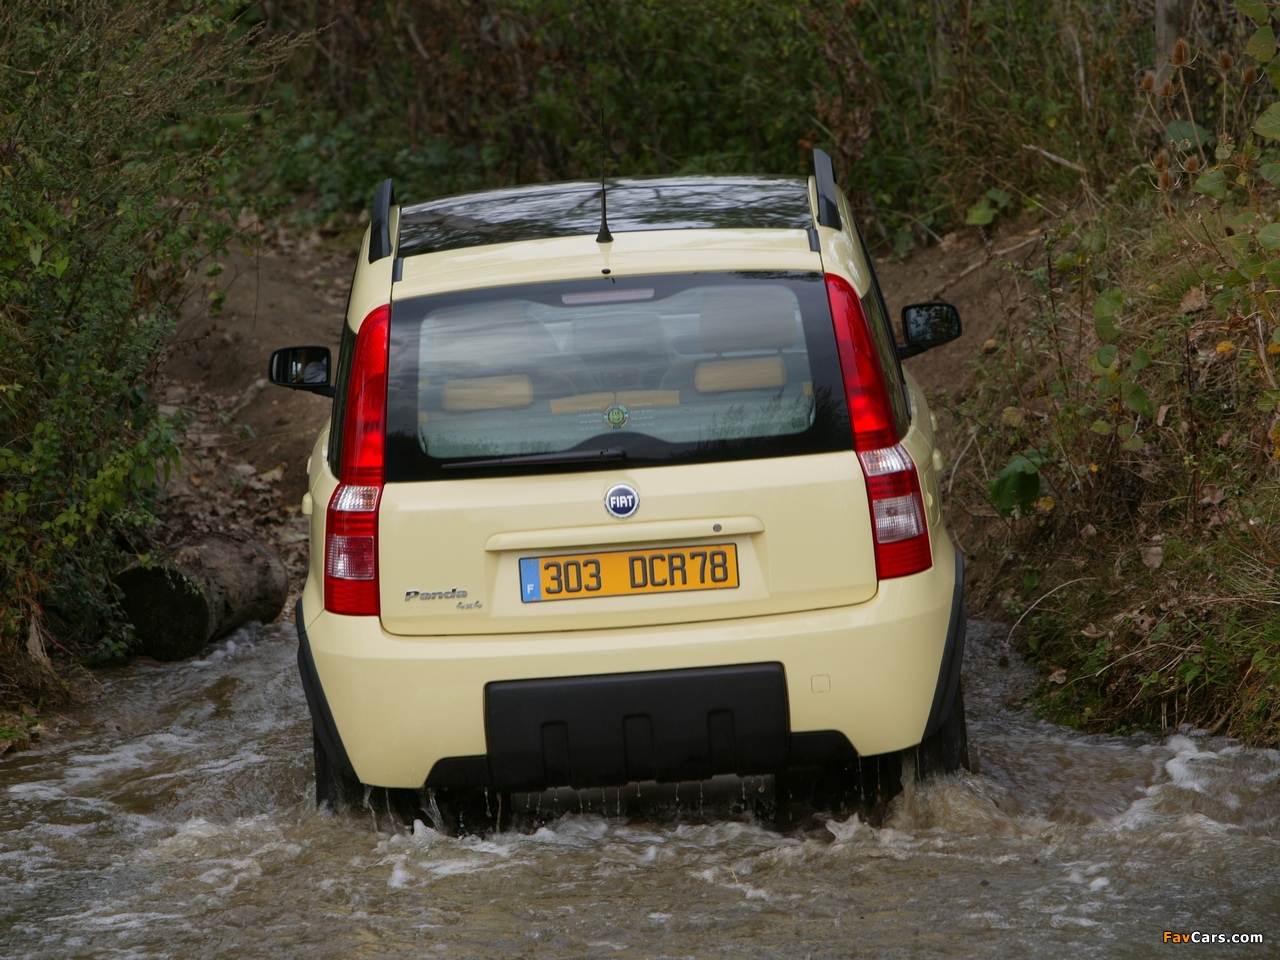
[
  {"x": 1134, "y": 405},
  {"x": 104, "y": 208},
  {"x": 930, "y": 109},
  {"x": 451, "y": 97}
]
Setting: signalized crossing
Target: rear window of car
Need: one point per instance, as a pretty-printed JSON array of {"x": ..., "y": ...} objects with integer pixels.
[{"x": 675, "y": 368}]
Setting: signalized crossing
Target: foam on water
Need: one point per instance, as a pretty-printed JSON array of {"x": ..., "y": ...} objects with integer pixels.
[
  {"x": 964, "y": 803},
  {"x": 1209, "y": 788},
  {"x": 239, "y": 643}
]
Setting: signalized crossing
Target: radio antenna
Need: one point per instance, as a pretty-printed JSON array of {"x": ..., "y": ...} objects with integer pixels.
[{"x": 604, "y": 236}]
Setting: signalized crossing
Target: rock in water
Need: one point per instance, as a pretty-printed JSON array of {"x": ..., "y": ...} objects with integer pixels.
[{"x": 203, "y": 591}]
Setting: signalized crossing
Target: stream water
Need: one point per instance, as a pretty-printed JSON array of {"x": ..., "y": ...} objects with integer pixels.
[{"x": 178, "y": 822}]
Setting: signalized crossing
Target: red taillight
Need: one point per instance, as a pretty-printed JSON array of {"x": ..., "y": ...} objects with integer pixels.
[
  {"x": 351, "y": 525},
  {"x": 364, "y": 432},
  {"x": 897, "y": 512},
  {"x": 893, "y": 486},
  {"x": 351, "y": 551},
  {"x": 864, "y": 386}
]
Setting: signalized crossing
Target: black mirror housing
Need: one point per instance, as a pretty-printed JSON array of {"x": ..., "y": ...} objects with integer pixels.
[
  {"x": 303, "y": 368},
  {"x": 928, "y": 325}
]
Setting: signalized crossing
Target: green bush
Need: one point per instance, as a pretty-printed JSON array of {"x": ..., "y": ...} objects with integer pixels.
[
  {"x": 448, "y": 96},
  {"x": 930, "y": 107},
  {"x": 107, "y": 200},
  {"x": 1130, "y": 416}
]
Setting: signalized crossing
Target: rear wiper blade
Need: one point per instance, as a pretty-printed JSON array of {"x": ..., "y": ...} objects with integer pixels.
[{"x": 569, "y": 456}]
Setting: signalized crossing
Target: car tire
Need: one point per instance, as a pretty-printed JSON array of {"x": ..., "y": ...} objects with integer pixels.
[
  {"x": 869, "y": 783},
  {"x": 336, "y": 790},
  {"x": 857, "y": 783},
  {"x": 946, "y": 750}
]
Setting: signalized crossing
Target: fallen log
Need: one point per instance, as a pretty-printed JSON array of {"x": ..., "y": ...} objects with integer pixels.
[{"x": 204, "y": 590}]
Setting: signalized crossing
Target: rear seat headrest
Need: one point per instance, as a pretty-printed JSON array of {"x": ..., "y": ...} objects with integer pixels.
[
  {"x": 740, "y": 319},
  {"x": 487, "y": 393},
  {"x": 637, "y": 334},
  {"x": 746, "y": 373},
  {"x": 498, "y": 336}
]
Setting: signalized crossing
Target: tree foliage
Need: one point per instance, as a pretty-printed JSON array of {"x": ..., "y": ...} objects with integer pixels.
[
  {"x": 928, "y": 106},
  {"x": 451, "y": 96},
  {"x": 113, "y": 147}
]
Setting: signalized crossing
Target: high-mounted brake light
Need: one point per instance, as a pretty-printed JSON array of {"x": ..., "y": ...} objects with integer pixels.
[
  {"x": 351, "y": 525},
  {"x": 893, "y": 485}
]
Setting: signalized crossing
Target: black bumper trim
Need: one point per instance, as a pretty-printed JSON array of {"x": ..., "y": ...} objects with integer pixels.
[
  {"x": 613, "y": 729},
  {"x": 321, "y": 717},
  {"x": 944, "y": 693},
  {"x": 811, "y": 748}
]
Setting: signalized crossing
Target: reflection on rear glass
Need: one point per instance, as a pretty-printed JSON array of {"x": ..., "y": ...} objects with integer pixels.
[{"x": 606, "y": 296}]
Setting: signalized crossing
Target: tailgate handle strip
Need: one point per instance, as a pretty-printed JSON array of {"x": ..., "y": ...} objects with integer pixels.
[{"x": 623, "y": 533}]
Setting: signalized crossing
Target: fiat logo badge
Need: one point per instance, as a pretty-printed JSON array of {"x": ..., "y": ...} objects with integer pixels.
[{"x": 621, "y": 501}]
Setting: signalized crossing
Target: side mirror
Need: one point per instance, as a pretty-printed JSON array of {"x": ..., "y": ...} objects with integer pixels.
[
  {"x": 302, "y": 368},
  {"x": 927, "y": 325}
]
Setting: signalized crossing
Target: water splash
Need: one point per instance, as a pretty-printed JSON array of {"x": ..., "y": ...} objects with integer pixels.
[{"x": 433, "y": 811}]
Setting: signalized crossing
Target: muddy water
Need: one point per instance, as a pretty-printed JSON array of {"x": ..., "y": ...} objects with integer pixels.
[{"x": 180, "y": 825}]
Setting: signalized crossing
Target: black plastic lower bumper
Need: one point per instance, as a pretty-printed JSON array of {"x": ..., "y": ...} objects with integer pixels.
[{"x": 668, "y": 726}]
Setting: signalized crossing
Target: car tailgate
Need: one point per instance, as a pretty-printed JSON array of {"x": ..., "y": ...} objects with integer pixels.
[{"x": 794, "y": 532}]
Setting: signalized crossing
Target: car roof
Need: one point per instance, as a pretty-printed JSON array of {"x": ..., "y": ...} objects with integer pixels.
[
  {"x": 637, "y": 253},
  {"x": 540, "y": 233},
  {"x": 551, "y": 210}
]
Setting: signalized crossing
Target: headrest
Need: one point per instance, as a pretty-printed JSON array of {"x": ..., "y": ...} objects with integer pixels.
[
  {"x": 491, "y": 336},
  {"x": 635, "y": 334},
  {"x": 487, "y": 393},
  {"x": 749, "y": 373},
  {"x": 736, "y": 319}
]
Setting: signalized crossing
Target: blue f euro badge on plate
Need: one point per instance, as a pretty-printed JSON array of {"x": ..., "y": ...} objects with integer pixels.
[{"x": 530, "y": 583}]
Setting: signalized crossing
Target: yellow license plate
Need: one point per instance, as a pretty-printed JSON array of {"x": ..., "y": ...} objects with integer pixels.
[{"x": 626, "y": 572}]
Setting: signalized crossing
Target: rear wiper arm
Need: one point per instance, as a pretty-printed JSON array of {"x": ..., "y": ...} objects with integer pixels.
[{"x": 569, "y": 456}]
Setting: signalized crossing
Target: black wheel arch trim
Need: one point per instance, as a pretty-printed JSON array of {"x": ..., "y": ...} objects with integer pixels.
[
  {"x": 321, "y": 716},
  {"x": 944, "y": 693}
]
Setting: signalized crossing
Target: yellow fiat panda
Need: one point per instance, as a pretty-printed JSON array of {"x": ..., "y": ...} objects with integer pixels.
[{"x": 625, "y": 482}]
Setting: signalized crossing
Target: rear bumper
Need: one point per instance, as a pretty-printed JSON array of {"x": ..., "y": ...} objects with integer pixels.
[
  {"x": 502, "y": 709},
  {"x": 668, "y": 725}
]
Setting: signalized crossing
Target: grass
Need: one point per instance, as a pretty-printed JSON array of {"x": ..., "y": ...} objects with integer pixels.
[
  {"x": 1127, "y": 433},
  {"x": 1126, "y": 420}
]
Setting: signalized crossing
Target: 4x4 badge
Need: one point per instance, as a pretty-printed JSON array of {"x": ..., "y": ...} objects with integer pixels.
[
  {"x": 621, "y": 501},
  {"x": 617, "y": 416}
]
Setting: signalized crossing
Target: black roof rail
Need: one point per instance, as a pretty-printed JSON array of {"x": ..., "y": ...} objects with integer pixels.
[
  {"x": 380, "y": 244},
  {"x": 825, "y": 177}
]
